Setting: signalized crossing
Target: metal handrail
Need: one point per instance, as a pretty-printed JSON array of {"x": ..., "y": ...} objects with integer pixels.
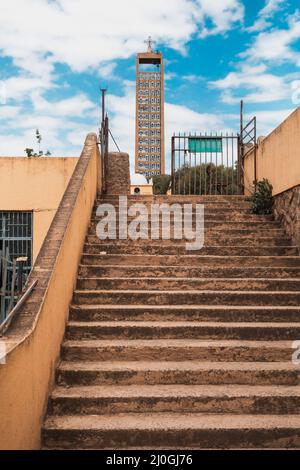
[{"x": 5, "y": 325}]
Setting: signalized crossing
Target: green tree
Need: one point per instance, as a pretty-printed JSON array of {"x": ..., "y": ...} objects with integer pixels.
[{"x": 206, "y": 179}]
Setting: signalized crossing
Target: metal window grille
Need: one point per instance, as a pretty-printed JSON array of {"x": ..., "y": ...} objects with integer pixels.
[{"x": 15, "y": 242}]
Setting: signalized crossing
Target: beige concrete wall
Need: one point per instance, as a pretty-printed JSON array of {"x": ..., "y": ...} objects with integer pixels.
[
  {"x": 278, "y": 157},
  {"x": 35, "y": 184},
  {"x": 33, "y": 342},
  {"x": 146, "y": 189}
]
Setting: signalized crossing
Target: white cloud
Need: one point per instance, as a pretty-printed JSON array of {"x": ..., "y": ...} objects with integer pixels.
[
  {"x": 170, "y": 76},
  {"x": 20, "y": 87},
  {"x": 9, "y": 112},
  {"x": 91, "y": 35},
  {"x": 87, "y": 33},
  {"x": 62, "y": 123},
  {"x": 224, "y": 14},
  {"x": 253, "y": 83},
  {"x": 192, "y": 78},
  {"x": 107, "y": 70},
  {"x": 265, "y": 14},
  {"x": 271, "y": 7},
  {"x": 77, "y": 105},
  {"x": 276, "y": 45}
]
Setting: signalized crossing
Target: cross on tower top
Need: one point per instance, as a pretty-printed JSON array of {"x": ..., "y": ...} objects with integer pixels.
[{"x": 149, "y": 43}]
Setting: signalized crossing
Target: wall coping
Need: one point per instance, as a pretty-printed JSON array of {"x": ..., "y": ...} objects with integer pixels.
[{"x": 37, "y": 159}]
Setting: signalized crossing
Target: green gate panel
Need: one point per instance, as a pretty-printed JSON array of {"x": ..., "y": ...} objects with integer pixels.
[{"x": 205, "y": 145}]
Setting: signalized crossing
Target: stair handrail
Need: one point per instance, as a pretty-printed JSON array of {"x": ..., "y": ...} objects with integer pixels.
[{"x": 7, "y": 322}]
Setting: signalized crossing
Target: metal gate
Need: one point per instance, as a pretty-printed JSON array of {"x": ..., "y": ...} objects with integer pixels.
[
  {"x": 15, "y": 256},
  {"x": 206, "y": 164}
]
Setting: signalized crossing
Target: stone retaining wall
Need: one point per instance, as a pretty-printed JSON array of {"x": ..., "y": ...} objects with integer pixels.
[
  {"x": 287, "y": 210},
  {"x": 118, "y": 174}
]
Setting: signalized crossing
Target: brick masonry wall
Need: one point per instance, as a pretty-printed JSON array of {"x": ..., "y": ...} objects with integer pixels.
[
  {"x": 287, "y": 210},
  {"x": 118, "y": 174}
]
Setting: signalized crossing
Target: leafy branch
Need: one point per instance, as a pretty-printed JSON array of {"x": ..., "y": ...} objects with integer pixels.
[{"x": 31, "y": 153}]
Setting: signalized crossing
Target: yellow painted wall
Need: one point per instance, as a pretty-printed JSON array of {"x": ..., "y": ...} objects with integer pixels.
[
  {"x": 278, "y": 157},
  {"x": 33, "y": 342},
  {"x": 35, "y": 184},
  {"x": 146, "y": 189}
]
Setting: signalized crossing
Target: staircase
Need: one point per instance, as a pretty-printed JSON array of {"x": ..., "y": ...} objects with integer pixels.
[{"x": 172, "y": 349}]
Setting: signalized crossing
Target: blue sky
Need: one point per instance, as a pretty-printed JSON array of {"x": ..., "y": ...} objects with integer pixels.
[{"x": 55, "y": 54}]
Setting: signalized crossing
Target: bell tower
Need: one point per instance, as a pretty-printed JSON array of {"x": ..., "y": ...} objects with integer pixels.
[{"x": 150, "y": 132}]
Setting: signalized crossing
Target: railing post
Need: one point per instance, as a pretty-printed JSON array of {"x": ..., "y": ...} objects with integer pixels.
[
  {"x": 12, "y": 287},
  {"x": 255, "y": 153},
  {"x": 173, "y": 165},
  {"x": 240, "y": 168},
  {"x": 4, "y": 282}
]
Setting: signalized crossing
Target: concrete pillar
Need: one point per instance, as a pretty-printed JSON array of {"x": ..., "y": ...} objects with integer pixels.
[{"x": 118, "y": 174}]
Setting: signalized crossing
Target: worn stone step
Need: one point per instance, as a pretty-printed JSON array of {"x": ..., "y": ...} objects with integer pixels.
[
  {"x": 177, "y": 350},
  {"x": 191, "y": 297},
  {"x": 216, "y": 240},
  {"x": 183, "y": 372},
  {"x": 226, "y": 313},
  {"x": 197, "y": 430},
  {"x": 213, "y": 224},
  {"x": 175, "y": 249},
  {"x": 227, "y": 231},
  {"x": 182, "y": 329},
  {"x": 236, "y": 399},
  {"x": 239, "y": 207},
  {"x": 191, "y": 260},
  {"x": 181, "y": 199},
  {"x": 187, "y": 272},
  {"x": 210, "y": 214},
  {"x": 162, "y": 283},
  {"x": 213, "y": 202},
  {"x": 213, "y": 212}
]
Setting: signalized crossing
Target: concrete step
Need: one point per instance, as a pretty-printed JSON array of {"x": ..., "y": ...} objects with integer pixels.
[
  {"x": 210, "y": 210},
  {"x": 166, "y": 348},
  {"x": 191, "y": 260},
  {"x": 213, "y": 224},
  {"x": 210, "y": 214},
  {"x": 175, "y": 249},
  {"x": 119, "y": 313},
  {"x": 162, "y": 283},
  {"x": 184, "y": 372},
  {"x": 192, "y": 297},
  {"x": 227, "y": 201},
  {"x": 235, "y": 399},
  {"x": 197, "y": 430},
  {"x": 216, "y": 240},
  {"x": 186, "y": 272},
  {"x": 253, "y": 231},
  {"x": 182, "y": 329},
  {"x": 181, "y": 199},
  {"x": 177, "y": 350}
]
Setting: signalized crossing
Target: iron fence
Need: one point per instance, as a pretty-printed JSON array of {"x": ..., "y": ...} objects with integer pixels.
[{"x": 206, "y": 164}]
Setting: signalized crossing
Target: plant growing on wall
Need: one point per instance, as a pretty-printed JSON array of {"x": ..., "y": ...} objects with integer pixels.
[
  {"x": 31, "y": 153},
  {"x": 262, "y": 201}
]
